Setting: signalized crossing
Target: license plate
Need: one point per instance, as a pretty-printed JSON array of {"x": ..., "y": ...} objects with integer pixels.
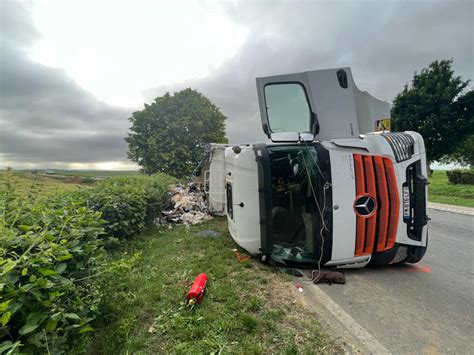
[{"x": 406, "y": 203}]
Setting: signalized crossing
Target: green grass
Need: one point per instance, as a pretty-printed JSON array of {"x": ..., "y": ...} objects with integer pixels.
[
  {"x": 38, "y": 185},
  {"x": 248, "y": 307},
  {"x": 442, "y": 191}
]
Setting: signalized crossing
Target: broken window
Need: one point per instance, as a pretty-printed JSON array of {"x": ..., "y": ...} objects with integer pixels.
[{"x": 296, "y": 203}]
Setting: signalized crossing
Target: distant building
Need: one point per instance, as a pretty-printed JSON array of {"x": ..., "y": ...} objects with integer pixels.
[{"x": 49, "y": 171}]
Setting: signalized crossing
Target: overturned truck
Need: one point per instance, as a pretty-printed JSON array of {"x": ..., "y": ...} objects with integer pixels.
[{"x": 332, "y": 186}]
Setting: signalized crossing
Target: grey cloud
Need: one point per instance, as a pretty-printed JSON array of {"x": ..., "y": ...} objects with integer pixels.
[
  {"x": 66, "y": 148},
  {"x": 383, "y": 43},
  {"x": 16, "y": 24},
  {"x": 44, "y": 115},
  {"x": 47, "y": 117}
]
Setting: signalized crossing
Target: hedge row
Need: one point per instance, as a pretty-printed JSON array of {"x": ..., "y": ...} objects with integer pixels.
[
  {"x": 461, "y": 176},
  {"x": 51, "y": 252},
  {"x": 128, "y": 204}
]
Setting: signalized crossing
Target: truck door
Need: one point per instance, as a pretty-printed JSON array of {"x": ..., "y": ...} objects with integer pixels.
[
  {"x": 326, "y": 103},
  {"x": 285, "y": 107}
]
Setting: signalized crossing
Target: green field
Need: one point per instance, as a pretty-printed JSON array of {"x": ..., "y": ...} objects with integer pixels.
[
  {"x": 38, "y": 185},
  {"x": 95, "y": 173},
  {"x": 85, "y": 173},
  {"x": 249, "y": 308},
  {"x": 442, "y": 191}
]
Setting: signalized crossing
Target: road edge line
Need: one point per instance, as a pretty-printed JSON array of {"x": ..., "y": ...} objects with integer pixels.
[
  {"x": 467, "y": 211},
  {"x": 354, "y": 328}
]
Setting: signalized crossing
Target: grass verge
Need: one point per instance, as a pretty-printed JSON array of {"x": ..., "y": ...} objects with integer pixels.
[
  {"x": 442, "y": 191},
  {"x": 248, "y": 307}
]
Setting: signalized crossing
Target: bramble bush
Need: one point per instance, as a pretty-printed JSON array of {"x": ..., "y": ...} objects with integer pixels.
[
  {"x": 52, "y": 251},
  {"x": 47, "y": 257}
]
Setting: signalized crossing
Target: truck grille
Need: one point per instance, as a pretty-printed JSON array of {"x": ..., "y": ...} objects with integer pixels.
[
  {"x": 402, "y": 145},
  {"x": 375, "y": 176}
]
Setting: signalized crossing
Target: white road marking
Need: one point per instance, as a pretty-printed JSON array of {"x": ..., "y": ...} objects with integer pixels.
[
  {"x": 450, "y": 208},
  {"x": 354, "y": 328}
]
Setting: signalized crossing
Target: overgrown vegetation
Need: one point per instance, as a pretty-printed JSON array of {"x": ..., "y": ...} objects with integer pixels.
[
  {"x": 66, "y": 287},
  {"x": 47, "y": 256},
  {"x": 442, "y": 191},
  {"x": 248, "y": 309},
  {"x": 128, "y": 204},
  {"x": 44, "y": 186},
  {"x": 52, "y": 249},
  {"x": 465, "y": 177}
]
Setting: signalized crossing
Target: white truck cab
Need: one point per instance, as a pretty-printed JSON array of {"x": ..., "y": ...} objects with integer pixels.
[{"x": 327, "y": 189}]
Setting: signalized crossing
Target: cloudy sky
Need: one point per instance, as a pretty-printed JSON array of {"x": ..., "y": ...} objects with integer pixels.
[{"x": 72, "y": 72}]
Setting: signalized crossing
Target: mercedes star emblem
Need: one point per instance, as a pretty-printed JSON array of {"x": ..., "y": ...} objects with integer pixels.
[{"x": 365, "y": 205}]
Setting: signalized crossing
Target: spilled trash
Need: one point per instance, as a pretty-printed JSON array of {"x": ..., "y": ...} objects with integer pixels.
[{"x": 187, "y": 206}]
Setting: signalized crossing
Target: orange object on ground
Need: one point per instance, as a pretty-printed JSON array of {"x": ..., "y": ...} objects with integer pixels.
[
  {"x": 240, "y": 258},
  {"x": 196, "y": 292}
]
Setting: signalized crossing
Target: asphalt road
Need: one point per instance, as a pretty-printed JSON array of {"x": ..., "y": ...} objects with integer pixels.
[{"x": 423, "y": 308}]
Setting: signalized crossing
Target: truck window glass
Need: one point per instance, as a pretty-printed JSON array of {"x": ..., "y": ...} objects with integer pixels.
[
  {"x": 296, "y": 186},
  {"x": 287, "y": 108}
]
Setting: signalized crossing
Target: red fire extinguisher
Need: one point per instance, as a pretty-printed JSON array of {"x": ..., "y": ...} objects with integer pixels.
[{"x": 196, "y": 292}]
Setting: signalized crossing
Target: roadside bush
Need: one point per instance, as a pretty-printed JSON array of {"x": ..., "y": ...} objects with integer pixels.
[
  {"x": 123, "y": 207},
  {"x": 461, "y": 177},
  {"x": 88, "y": 180},
  {"x": 52, "y": 251},
  {"x": 48, "y": 258},
  {"x": 128, "y": 204}
]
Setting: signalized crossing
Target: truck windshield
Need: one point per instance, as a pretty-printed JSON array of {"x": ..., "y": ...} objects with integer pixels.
[{"x": 296, "y": 203}]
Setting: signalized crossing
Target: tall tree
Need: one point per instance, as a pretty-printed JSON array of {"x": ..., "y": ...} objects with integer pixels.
[
  {"x": 433, "y": 106},
  {"x": 170, "y": 134},
  {"x": 464, "y": 152}
]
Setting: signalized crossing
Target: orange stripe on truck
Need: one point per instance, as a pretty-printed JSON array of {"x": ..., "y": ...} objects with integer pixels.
[
  {"x": 360, "y": 189},
  {"x": 375, "y": 175},
  {"x": 384, "y": 205},
  {"x": 394, "y": 209},
  {"x": 371, "y": 190}
]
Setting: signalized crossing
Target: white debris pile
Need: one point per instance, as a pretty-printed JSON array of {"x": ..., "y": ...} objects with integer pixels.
[{"x": 187, "y": 206}]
